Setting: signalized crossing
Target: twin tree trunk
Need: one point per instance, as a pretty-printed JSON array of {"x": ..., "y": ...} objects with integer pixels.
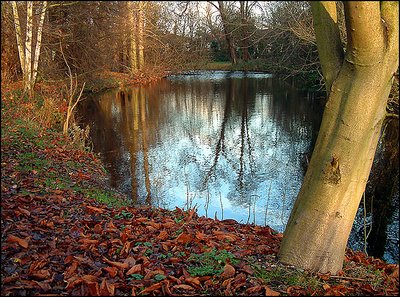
[
  {"x": 29, "y": 67},
  {"x": 358, "y": 84}
]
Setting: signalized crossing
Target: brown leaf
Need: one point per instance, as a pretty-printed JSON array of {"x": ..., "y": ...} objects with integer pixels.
[
  {"x": 36, "y": 265},
  {"x": 150, "y": 274},
  {"x": 191, "y": 213},
  {"x": 88, "y": 241},
  {"x": 295, "y": 291},
  {"x": 90, "y": 278},
  {"x": 163, "y": 235},
  {"x": 229, "y": 271},
  {"x": 106, "y": 289},
  {"x": 24, "y": 211},
  {"x": 220, "y": 235},
  {"x": 111, "y": 270},
  {"x": 73, "y": 282},
  {"x": 254, "y": 290},
  {"x": 20, "y": 241},
  {"x": 71, "y": 270},
  {"x": 134, "y": 269},
  {"x": 248, "y": 269},
  {"x": 169, "y": 224},
  {"x": 95, "y": 209},
  {"x": 270, "y": 292},
  {"x": 153, "y": 224},
  {"x": 97, "y": 228},
  {"x": 130, "y": 261},
  {"x": 151, "y": 288},
  {"x": 193, "y": 281},
  {"x": 184, "y": 238},
  {"x": 326, "y": 286},
  {"x": 111, "y": 227},
  {"x": 200, "y": 235},
  {"x": 93, "y": 288},
  {"x": 41, "y": 274},
  {"x": 116, "y": 264},
  {"x": 45, "y": 286},
  {"x": 182, "y": 287},
  {"x": 68, "y": 259},
  {"x": 10, "y": 279}
]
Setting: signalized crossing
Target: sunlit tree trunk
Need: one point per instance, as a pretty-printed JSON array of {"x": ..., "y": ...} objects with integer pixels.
[
  {"x": 318, "y": 229},
  {"x": 18, "y": 34},
  {"x": 132, "y": 11},
  {"x": 28, "y": 46},
  {"x": 38, "y": 42},
  {"x": 140, "y": 26},
  {"x": 29, "y": 66}
]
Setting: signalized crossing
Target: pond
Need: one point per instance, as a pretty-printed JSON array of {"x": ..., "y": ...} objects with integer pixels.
[{"x": 233, "y": 145}]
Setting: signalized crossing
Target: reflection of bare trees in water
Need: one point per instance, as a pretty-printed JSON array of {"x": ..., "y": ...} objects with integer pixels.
[
  {"x": 144, "y": 144},
  {"x": 244, "y": 135},
  {"x": 220, "y": 148},
  {"x": 129, "y": 111},
  {"x": 135, "y": 130}
]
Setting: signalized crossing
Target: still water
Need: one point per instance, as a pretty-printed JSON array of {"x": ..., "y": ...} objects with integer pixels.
[{"x": 233, "y": 145}]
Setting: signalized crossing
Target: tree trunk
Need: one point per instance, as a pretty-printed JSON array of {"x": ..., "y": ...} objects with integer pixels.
[
  {"x": 140, "y": 35},
  {"x": 28, "y": 47},
  {"x": 18, "y": 35},
  {"x": 133, "y": 47},
  {"x": 228, "y": 34},
  {"x": 25, "y": 50},
  {"x": 38, "y": 43},
  {"x": 244, "y": 15},
  {"x": 320, "y": 223}
]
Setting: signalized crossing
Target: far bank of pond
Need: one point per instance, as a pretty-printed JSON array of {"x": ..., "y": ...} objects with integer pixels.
[{"x": 232, "y": 144}]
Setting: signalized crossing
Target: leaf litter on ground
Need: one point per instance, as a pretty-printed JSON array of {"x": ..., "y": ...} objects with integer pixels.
[{"x": 57, "y": 239}]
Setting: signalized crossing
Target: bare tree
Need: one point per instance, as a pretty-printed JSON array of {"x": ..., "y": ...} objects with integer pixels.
[{"x": 25, "y": 48}]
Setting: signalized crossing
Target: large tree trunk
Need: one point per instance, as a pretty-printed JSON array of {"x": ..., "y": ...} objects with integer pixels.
[
  {"x": 133, "y": 47},
  {"x": 320, "y": 223},
  {"x": 140, "y": 35}
]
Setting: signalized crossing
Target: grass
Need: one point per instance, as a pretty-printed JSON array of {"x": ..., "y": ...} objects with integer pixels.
[
  {"x": 210, "y": 263},
  {"x": 287, "y": 276},
  {"x": 367, "y": 272},
  {"x": 32, "y": 140},
  {"x": 106, "y": 197}
]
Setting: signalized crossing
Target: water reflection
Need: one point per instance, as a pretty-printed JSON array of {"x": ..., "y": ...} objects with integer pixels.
[{"x": 231, "y": 144}]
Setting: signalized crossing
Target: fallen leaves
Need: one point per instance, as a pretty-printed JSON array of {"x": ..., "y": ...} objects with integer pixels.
[
  {"x": 134, "y": 269},
  {"x": 229, "y": 271},
  {"x": 120, "y": 265},
  {"x": 20, "y": 241},
  {"x": 57, "y": 242}
]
